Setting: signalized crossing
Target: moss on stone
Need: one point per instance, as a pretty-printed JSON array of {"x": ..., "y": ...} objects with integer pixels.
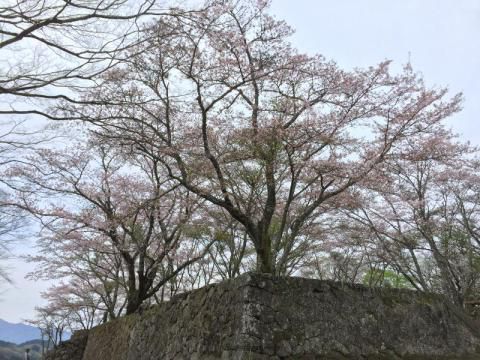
[{"x": 260, "y": 317}]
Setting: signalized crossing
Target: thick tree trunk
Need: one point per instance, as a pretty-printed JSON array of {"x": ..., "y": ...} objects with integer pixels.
[
  {"x": 133, "y": 302},
  {"x": 264, "y": 256},
  {"x": 134, "y": 293}
]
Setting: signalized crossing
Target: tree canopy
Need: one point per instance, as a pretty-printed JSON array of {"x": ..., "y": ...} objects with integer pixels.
[{"x": 204, "y": 144}]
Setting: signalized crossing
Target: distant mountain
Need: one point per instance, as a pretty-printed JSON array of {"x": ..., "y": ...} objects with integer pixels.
[
  {"x": 18, "y": 333},
  {"x": 9, "y": 351}
]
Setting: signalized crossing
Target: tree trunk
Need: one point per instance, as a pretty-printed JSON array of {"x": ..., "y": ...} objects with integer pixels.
[
  {"x": 133, "y": 302},
  {"x": 264, "y": 256}
]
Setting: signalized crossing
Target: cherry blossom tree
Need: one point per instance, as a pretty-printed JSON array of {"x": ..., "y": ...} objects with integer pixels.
[
  {"x": 238, "y": 117},
  {"x": 80, "y": 307},
  {"x": 14, "y": 141},
  {"x": 91, "y": 282},
  {"x": 110, "y": 217},
  {"x": 11, "y": 221},
  {"x": 231, "y": 252},
  {"x": 52, "y": 324},
  {"x": 418, "y": 218},
  {"x": 48, "y": 48}
]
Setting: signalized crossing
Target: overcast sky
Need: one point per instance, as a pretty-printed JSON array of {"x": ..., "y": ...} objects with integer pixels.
[{"x": 439, "y": 37}]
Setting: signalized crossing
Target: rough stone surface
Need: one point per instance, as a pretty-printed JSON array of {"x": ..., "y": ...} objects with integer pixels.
[
  {"x": 257, "y": 317},
  {"x": 70, "y": 350}
]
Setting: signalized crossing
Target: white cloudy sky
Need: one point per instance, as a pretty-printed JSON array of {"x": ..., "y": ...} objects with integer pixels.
[{"x": 440, "y": 37}]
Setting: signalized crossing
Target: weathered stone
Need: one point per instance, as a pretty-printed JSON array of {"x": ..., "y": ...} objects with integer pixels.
[
  {"x": 258, "y": 317},
  {"x": 70, "y": 350}
]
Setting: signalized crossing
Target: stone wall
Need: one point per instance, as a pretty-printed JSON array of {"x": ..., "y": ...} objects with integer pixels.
[
  {"x": 70, "y": 350},
  {"x": 256, "y": 317}
]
